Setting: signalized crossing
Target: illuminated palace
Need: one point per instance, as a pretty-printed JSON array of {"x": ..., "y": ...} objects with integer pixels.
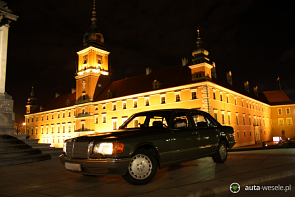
[{"x": 99, "y": 105}]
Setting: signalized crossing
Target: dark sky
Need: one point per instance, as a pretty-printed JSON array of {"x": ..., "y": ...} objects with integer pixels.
[{"x": 253, "y": 39}]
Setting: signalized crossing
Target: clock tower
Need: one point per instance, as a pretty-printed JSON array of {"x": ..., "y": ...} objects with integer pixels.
[{"x": 93, "y": 71}]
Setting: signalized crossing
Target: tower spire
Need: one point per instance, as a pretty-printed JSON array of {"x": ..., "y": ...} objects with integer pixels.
[
  {"x": 93, "y": 19},
  {"x": 199, "y": 40},
  {"x": 93, "y": 37}
]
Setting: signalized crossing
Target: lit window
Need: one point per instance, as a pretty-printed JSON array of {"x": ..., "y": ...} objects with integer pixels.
[
  {"x": 52, "y": 128},
  {"x": 249, "y": 119},
  {"x": 244, "y": 120},
  {"x": 147, "y": 101},
  {"x": 114, "y": 123},
  {"x": 228, "y": 117},
  {"x": 215, "y": 114},
  {"x": 227, "y": 98},
  {"x": 114, "y": 106},
  {"x": 237, "y": 118},
  {"x": 244, "y": 133},
  {"x": 96, "y": 119},
  {"x": 238, "y": 133},
  {"x": 235, "y": 100},
  {"x": 135, "y": 103},
  {"x": 103, "y": 106},
  {"x": 287, "y": 110},
  {"x": 124, "y": 104},
  {"x": 177, "y": 96},
  {"x": 289, "y": 121},
  {"x": 194, "y": 95},
  {"x": 36, "y": 130},
  {"x": 221, "y": 98},
  {"x": 104, "y": 118},
  {"x": 250, "y": 133},
  {"x": 281, "y": 121},
  {"x": 214, "y": 94},
  {"x": 82, "y": 126},
  {"x": 222, "y": 117},
  {"x": 163, "y": 99},
  {"x": 69, "y": 127}
]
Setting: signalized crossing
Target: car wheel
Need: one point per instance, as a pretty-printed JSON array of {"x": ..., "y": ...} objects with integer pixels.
[
  {"x": 220, "y": 154},
  {"x": 142, "y": 168}
]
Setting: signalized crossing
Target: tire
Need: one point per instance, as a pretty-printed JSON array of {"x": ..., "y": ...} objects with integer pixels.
[
  {"x": 220, "y": 154},
  {"x": 142, "y": 168}
]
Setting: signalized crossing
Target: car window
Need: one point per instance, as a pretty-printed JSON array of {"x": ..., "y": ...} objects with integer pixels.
[
  {"x": 181, "y": 121},
  {"x": 201, "y": 121},
  {"x": 147, "y": 120}
]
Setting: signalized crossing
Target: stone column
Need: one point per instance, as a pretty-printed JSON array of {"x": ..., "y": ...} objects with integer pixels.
[{"x": 6, "y": 102}]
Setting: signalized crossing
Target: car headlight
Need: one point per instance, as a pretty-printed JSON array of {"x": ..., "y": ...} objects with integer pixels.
[
  {"x": 108, "y": 148},
  {"x": 64, "y": 147}
]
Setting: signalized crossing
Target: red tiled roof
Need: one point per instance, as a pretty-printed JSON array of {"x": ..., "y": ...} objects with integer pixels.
[
  {"x": 277, "y": 97},
  {"x": 59, "y": 102}
]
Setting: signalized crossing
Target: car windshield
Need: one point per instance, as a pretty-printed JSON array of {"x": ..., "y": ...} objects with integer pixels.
[{"x": 148, "y": 120}]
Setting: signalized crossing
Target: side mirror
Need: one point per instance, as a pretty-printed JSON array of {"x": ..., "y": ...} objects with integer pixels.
[{"x": 202, "y": 124}]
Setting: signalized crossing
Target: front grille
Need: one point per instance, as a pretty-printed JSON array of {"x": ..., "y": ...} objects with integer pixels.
[{"x": 78, "y": 149}]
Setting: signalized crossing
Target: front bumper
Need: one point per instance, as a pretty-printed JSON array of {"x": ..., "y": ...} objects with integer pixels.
[{"x": 104, "y": 167}]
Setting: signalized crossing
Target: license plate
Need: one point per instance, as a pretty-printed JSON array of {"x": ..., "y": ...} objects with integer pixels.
[{"x": 73, "y": 166}]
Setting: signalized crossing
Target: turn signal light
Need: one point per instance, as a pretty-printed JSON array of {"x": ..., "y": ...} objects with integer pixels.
[{"x": 118, "y": 147}]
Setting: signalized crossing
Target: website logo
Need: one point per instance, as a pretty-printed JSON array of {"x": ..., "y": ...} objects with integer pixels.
[{"x": 235, "y": 188}]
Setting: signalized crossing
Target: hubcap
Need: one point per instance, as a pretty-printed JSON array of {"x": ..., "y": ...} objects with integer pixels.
[
  {"x": 140, "y": 166},
  {"x": 222, "y": 151}
]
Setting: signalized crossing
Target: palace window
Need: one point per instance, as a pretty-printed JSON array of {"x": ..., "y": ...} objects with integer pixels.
[
  {"x": 103, "y": 106},
  {"x": 244, "y": 133},
  {"x": 124, "y": 104},
  {"x": 82, "y": 125},
  {"x": 135, "y": 103},
  {"x": 227, "y": 98},
  {"x": 177, "y": 96},
  {"x": 250, "y": 132},
  {"x": 36, "y": 130},
  {"x": 52, "y": 128},
  {"x": 124, "y": 118},
  {"x": 237, "y": 118},
  {"x": 104, "y": 118},
  {"x": 238, "y": 133},
  {"x": 249, "y": 119},
  {"x": 69, "y": 127},
  {"x": 147, "y": 101},
  {"x": 194, "y": 94},
  {"x": 236, "y": 100},
  {"x": 289, "y": 121},
  {"x": 114, "y": 123},
  {"x": 114, "y": 106},
  {"x": 215, "y": 114},
  {"x": 228, "y": 117},
  {"x": 281, "y": 121},
  {"x": 96, "y": 119},
  {"x": 287, "y": 110},
  {"x": 221, "y": 98},
  {"x": 244, "y": 120},
  {"x": 222, "y": 117},
  {"x": 63, "y": 114},
  {"x": 163, "y": 98},
  {"x": 214, "y": 94}
]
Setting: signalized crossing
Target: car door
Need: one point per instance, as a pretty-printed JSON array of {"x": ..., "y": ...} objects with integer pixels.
[
  {"x": 208, "y": 132},
  {"x": 183, "y": 137}
]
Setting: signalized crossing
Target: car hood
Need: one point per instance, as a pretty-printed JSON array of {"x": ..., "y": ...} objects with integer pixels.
[{"x": 108, "y": 136}]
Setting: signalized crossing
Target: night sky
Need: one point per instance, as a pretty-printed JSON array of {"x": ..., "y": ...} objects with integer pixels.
[{"x": 253, "y": 39}]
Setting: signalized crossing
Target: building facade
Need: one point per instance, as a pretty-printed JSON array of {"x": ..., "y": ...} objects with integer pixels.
[{"x": 99, "y": 105}]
